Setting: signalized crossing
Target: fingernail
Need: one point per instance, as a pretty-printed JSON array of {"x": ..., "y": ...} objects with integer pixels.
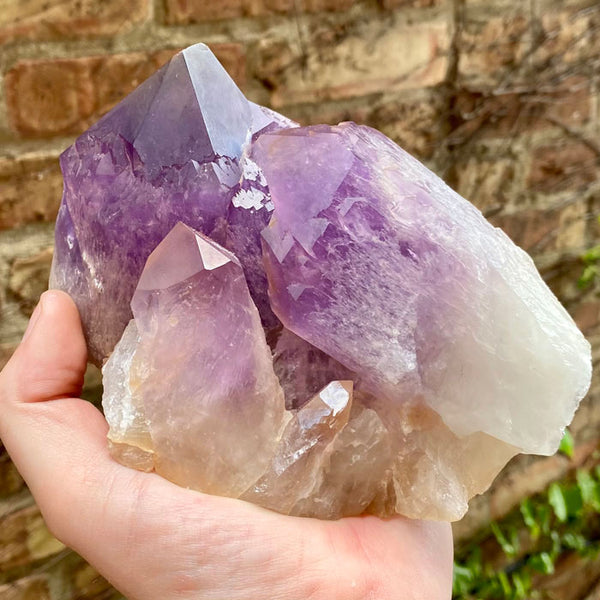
[{"x": 35, "y": 317}]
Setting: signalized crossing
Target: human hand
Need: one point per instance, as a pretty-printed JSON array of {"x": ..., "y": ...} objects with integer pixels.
[{"x": 152, "y": 539}]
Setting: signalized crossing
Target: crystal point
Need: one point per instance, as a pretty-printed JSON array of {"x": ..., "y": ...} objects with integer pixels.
[
  {"x": 169, "y": 152},
  {"x": 219, "y": 372}
]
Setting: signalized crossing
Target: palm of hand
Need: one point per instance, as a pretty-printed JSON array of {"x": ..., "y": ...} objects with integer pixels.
[{"x": 153, "y": 539}]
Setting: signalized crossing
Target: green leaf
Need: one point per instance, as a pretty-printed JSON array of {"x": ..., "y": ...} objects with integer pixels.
[
  {"x": 544, "y": 515},
  {"x": 575, "y": 541},
  {"x": 591, "y": 550},
  {"x": 556, "y": 544},
  {"x": 587, "y": 277},
  {"x": 474, "y": 562},
  {"x": 542, "y": 562},
  {"x": 529, "y": 518},
  {"x": 505, "y": 584},
  {"x": 573, "y": 500},
  {"x": 557, "y": 502},
  {"x": 462, "y": 580},
  {"x": 521, "y": 585},
  {"x": 506, "y": 546},
  {"x": 567, "y": 444},
  {"x": 588, "y": 488},
  {"x": 592, "y": 255}
]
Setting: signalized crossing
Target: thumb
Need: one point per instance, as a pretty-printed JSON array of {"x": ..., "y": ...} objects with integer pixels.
[
  {"x": 50, "y": 435},
  {"x": 51, "y": 360}
]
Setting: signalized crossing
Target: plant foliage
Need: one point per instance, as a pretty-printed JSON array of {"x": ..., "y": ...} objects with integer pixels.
[{"x": 526, "y": 545}]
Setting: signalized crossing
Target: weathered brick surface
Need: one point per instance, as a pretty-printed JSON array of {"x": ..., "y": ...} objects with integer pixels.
[
  {"x": 354, "y": 60},
  {"x": 516, "y": 47},
  {"x": 491, "y": 183},
  {"x": 391, "y": 4},
  {"x": 30, "y": 190},
  {"x": 49, "y": 97},
  {"x": 485, "y": 113},
  {"x": 57, "y": 19},
  {"x": 412, "y": 120},
  {"x": 587, "y": 316},
  {"x": 29, "y": 279},
  {"x": 570, "y": 37},
  {"x": 492, "y": 49},
  {"x": 33, "y": 587},
  {"x": 24, "y": 538},
  {"x": 533, "y": 230},
  {"x": 563, "y": 165},
  {"x": 65, "y": 96},
  {"x": 183, "y": 12},
  {"x": 538, "y": 231}
]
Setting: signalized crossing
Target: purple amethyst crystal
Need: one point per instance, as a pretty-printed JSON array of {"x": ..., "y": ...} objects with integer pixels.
[
  {"x": 169, "y": 152},
  {"x": 320, "y": 325},
  {"x": 397, "y": 277}
]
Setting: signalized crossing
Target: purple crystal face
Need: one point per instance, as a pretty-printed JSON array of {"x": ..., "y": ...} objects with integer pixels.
[
  {"x": 401, "y": 280},
  {"x": 169, "y": 152}
]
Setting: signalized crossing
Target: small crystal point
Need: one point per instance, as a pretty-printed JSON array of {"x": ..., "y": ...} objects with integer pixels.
[
  {"x": 201, "y": 369},
  {"x": 300, "y": 455}
]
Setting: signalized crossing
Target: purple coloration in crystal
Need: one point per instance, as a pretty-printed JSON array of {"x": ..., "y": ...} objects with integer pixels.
[
  {"x": 405, "y": 283},
  {"x": 220, "y": 372},
  {"x": 169, "y": 152},
  {"x": 415, "y": 345}
]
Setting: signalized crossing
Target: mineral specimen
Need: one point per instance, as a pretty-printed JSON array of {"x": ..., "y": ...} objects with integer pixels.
[
  {"x": 169, "y": 152},
  {"x": 309, "y": 319}
]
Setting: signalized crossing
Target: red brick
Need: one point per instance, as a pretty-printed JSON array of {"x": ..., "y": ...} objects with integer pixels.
[
  {"x": 59, "y": 19},
  {"x": 533, "y": 230},
  {"x": 64, "y": 96},
  {"x": 48, "y": 97},
  {"x": 30, "y": 190},
  {"x": 391, "y": 4},
  {"x": 341, "y": 62},
  {"x": 184, "y": 12},
  {"x": 490, "y": 115},
  {"x": 587, "y": 316},
  {"x": 557, "y": 167}
]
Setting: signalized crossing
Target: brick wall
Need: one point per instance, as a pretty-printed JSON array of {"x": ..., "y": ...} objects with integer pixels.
[{"x": 499, "y": 98}]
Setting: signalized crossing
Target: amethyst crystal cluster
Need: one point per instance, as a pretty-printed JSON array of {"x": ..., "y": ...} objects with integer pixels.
[{"x": 303, "y": 317}]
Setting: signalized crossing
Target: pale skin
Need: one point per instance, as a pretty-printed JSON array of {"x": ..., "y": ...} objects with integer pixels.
[{"x": 154, "y": 540}]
